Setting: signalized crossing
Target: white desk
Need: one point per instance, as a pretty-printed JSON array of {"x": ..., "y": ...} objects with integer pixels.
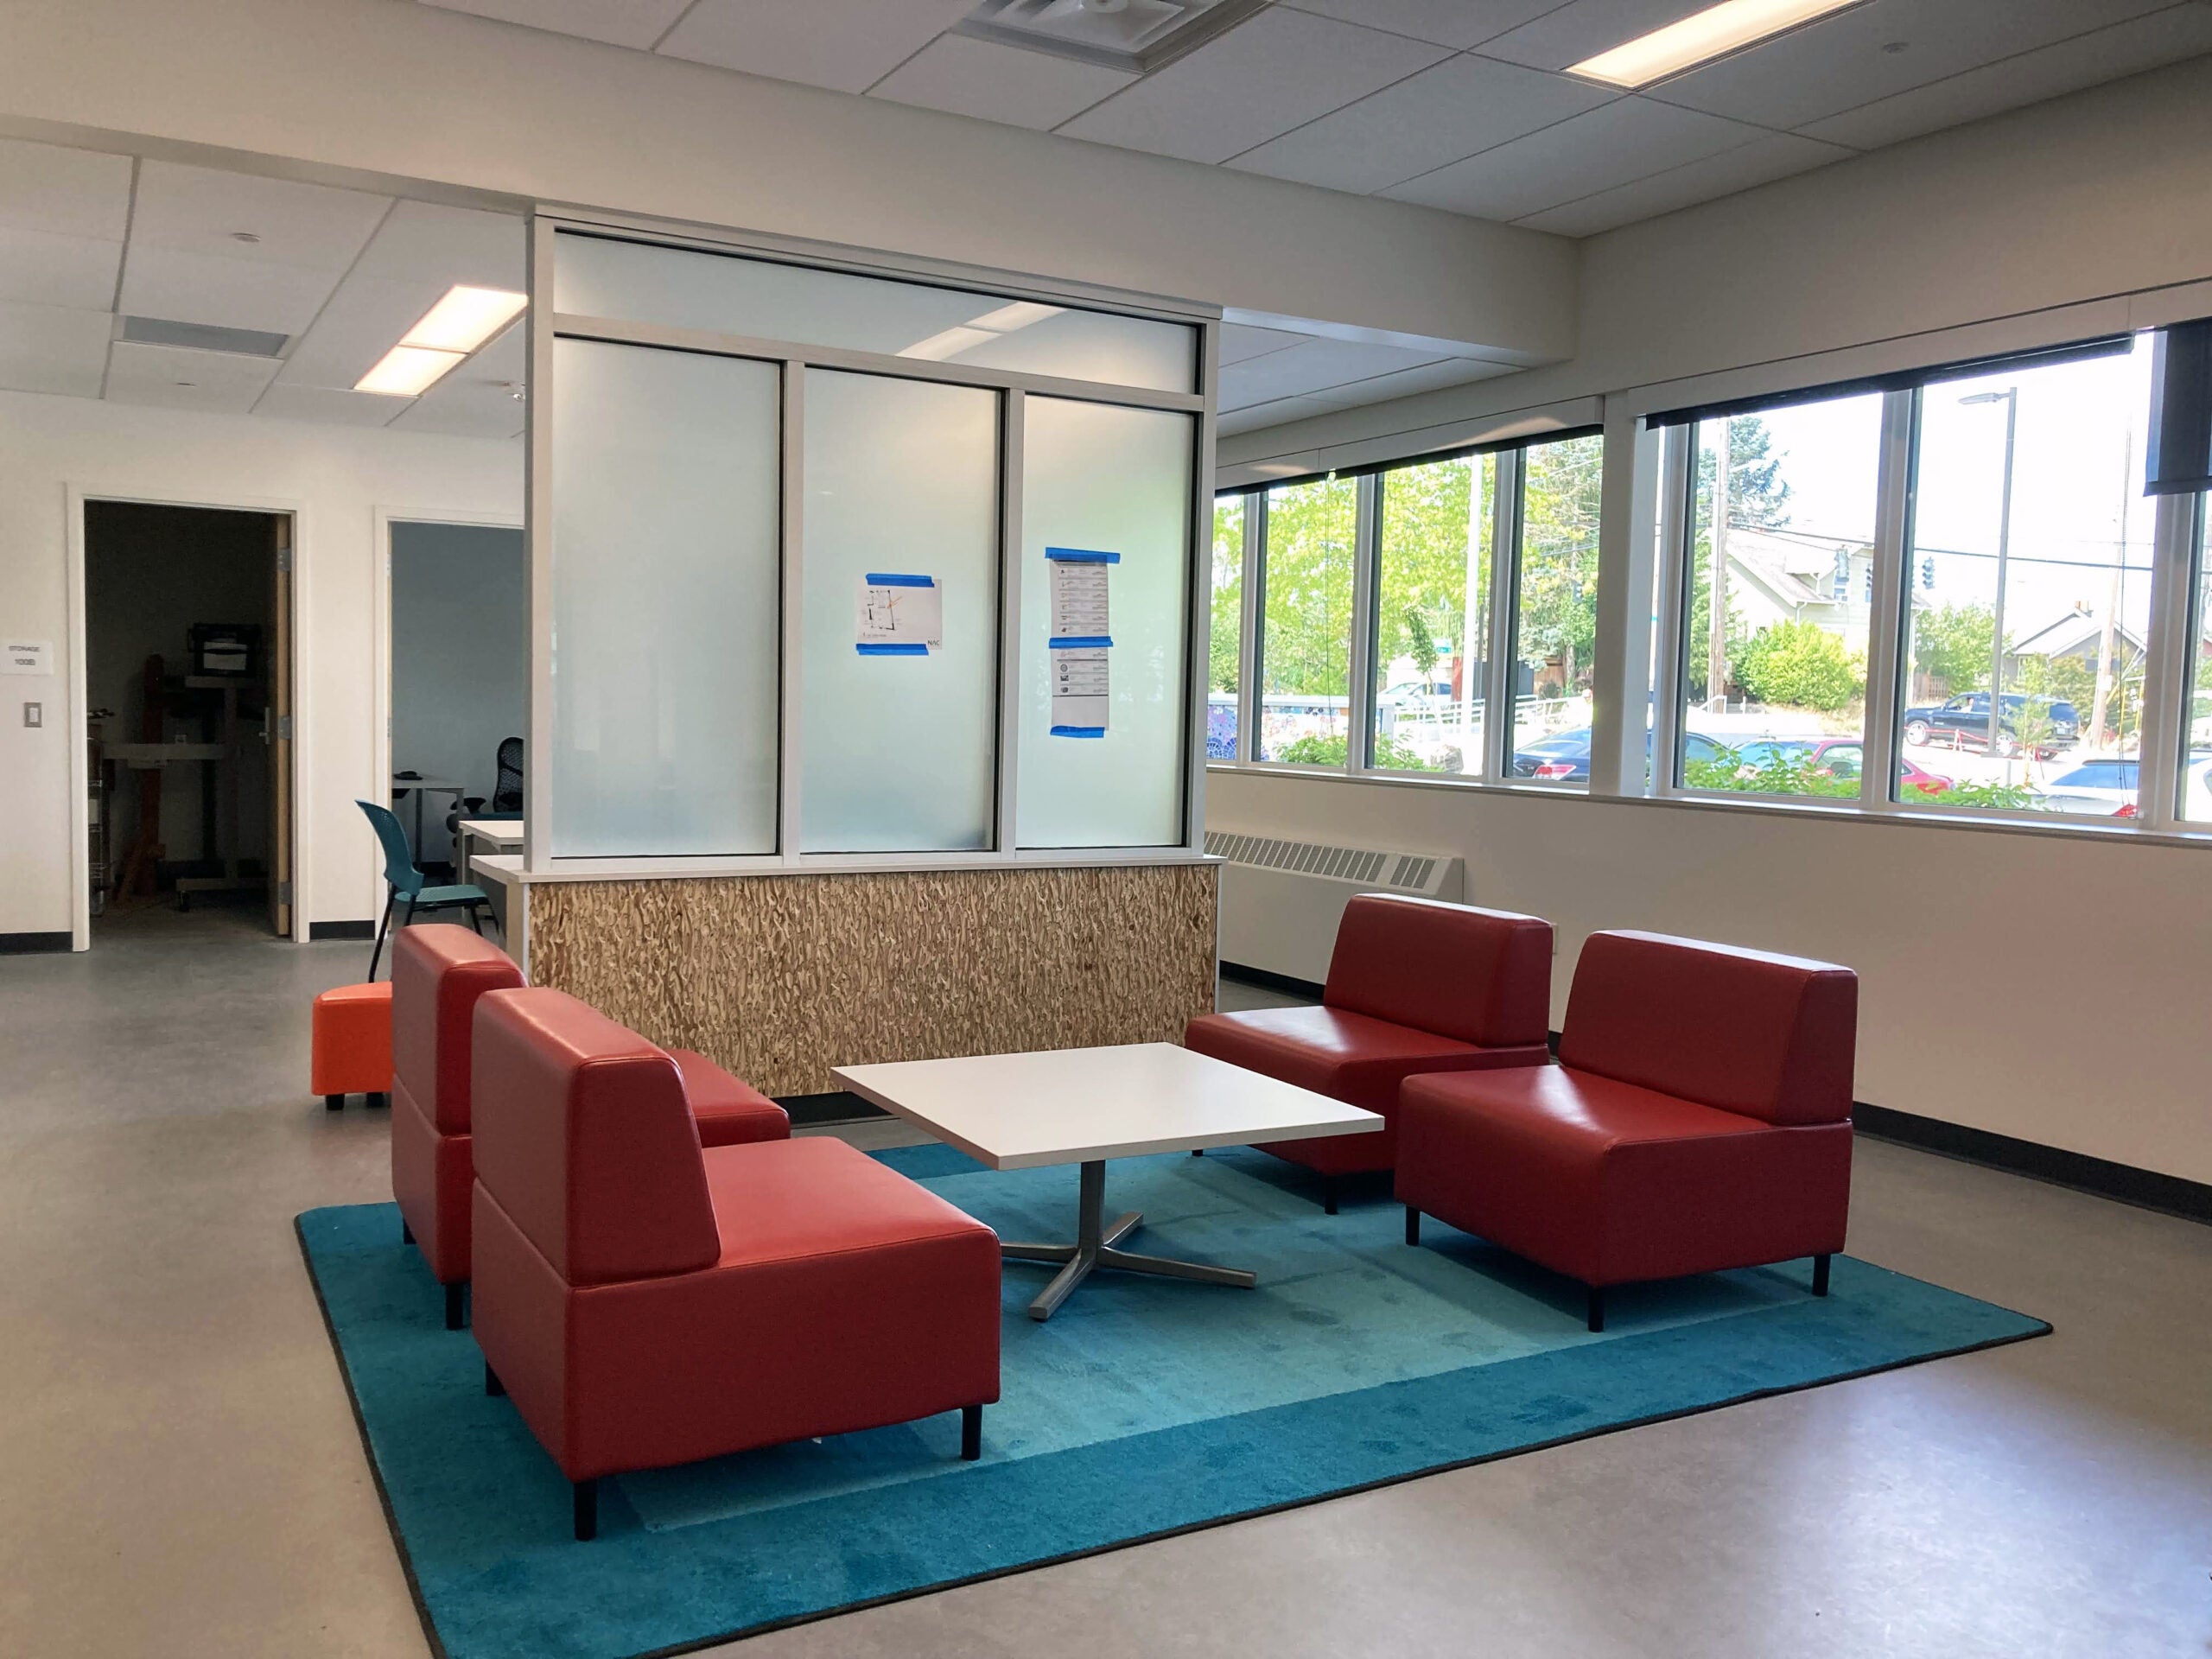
[
  {"x": 1085, "y": 1105},
  {"x": 500, "y": 876}
]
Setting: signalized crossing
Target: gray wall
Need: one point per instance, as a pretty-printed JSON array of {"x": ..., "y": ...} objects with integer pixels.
[{"x": 460, "y": 661}]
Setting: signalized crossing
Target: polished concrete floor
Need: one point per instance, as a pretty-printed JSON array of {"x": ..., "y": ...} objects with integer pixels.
[{"x": 182, "y": 1476}]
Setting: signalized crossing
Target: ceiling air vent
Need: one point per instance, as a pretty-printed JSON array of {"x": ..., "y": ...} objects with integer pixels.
[
  {"x": 203, "y": 337},
  {"x": 1138, "y": 35}
]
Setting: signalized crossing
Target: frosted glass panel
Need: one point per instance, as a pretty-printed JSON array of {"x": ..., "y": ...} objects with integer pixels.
[
  {"x": 1100, "y": 480},
  {"x": 898, "y": 735},
  {"x": 638, "y": 282},
  {"x": 664, "y": 602}
]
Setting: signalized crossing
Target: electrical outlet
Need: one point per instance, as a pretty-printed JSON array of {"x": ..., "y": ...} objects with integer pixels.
[{"x": 34, "y": 713}]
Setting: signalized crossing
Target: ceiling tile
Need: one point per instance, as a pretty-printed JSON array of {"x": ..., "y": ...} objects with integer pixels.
[
  {"x": 1582, "y": 28},
  {"x": 464, "y": 408},
  {"x": 999, "y": 83},
  {"x": 1310, "y": 367},
  {"x": 230, "y": 293},
  {"x": 1845, "y": 61},
  {"x": 845, "y": 45},
  {"x": 198, "y": 210},
  {"x": 1770, "y": 156},
  {"x": 1404, "y": 383},
  {"x": 38, "y": 267},
  {"x": 1241, "y": 342},
  {"x": 1615, "y": 143},
  {"x": 1459, "y": 107},
  {"x": 175, "y": 378},
  {"x": 1279, "y": 413},
  {"x": 328, "y": 406},
  {"x": 619, "y": 22},
  {"x": 2127, "y": 49},
  {"x": 64, "y": 192},
  {"x": 45, "y": 348},
  {"x": 506, "y": 360},
  {"x": 1447, "y": 23},
  {"x": 425, "y": 241},
  {"x": 1274, "y": 71},
  {"x": 362, "y": 321}
]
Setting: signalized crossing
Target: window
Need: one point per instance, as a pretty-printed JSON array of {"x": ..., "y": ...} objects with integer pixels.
[
  {"x": 2196, "y": 804},
  {"x": 1777, "y": 579},
  {"x": 1432, "y": 616},
  {"x": 1226, "y": 638},
  {"x": 2028, "y": 570},
  {"x": 1304, "y": 655},
  {"x": 1555, "y": 609}
]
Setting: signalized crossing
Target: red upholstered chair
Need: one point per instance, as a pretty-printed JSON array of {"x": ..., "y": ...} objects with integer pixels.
[
  {"x": 438, "y": 970},
  {"x": 1414, "y": 986},
  {"x": 1698, "y": 1119},
  {"x": 647, "y": 1301}
]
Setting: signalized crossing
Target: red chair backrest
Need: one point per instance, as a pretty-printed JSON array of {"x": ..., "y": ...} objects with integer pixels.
[
  {"x": 1480, "y": 976},
  {"x": 438, "y": 973},
  {"x": 1765, "y": 1036},
  {"x": 585, "y": 1139}
]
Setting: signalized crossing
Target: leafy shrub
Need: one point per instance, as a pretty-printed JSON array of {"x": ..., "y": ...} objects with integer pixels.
[
  {"x": 1799, "y": 666},
  {"x": 1317, "y": 749}
]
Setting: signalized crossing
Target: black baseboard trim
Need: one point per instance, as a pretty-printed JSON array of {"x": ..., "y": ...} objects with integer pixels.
[
  {"x": 2147, "y": 1189},
  {"x": 318, "y": 931},
  {"x": 838, "y": 1106},
  {"x": 1269, "y": 981},
  {"x": 32, "y": 944}
]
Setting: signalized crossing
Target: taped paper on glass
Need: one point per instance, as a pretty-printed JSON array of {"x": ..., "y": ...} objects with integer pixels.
[
  {"x": 897, "y": 615},
  {"x": 1079, "y": 691},
  {"x": 1081, "y": 637}
]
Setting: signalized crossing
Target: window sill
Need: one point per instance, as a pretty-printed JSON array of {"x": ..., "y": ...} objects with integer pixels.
[{"x": 2065, "y": 829}]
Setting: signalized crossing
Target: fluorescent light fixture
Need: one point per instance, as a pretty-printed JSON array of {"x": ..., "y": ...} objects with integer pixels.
[
  {"x": 464, "y": 319},
  {"x": 1714, "y": 33},
  {"x": 981, "y": 331},
  {"x": 408, "y": 372}
]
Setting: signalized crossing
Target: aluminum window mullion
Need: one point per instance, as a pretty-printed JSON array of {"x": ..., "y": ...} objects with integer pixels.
[
  {"x": 2167, "y": 696},
  {"x": 1678, "y": 494},
  {"x": 537, "y": 494},
  {"x": 792, "y": 735},
  {"x": 1252, "y": 618},
  {"x": 1012, "y": 414},
  {"x": 1366, "y": 542},
  {"x": 1499, "y": 678},
  {"x": 1889, "y": 618}
]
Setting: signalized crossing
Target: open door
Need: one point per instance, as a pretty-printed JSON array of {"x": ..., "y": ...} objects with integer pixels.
[{"x": 277, "y": 731}]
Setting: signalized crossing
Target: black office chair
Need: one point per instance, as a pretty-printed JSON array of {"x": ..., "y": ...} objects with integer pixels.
[{"x": 506, "y": 790}]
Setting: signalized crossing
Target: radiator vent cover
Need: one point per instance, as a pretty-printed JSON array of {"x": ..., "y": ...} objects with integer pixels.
[{"x": 1408, "y": 872}]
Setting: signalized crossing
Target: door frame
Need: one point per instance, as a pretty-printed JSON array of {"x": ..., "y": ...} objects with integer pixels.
[
  {"x": 76, "y": 496},
  {"x": 385, "y": 519}
]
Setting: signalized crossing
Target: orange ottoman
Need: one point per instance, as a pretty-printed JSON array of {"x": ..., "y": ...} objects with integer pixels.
[{"x": 353, "y": 1045}]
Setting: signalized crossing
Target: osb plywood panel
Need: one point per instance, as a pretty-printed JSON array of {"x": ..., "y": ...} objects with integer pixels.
[{"x": 780, "y": 977}]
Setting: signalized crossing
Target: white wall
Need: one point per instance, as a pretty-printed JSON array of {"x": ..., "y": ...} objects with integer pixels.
[
  {"x": 420, "y": 93},
  {"x": 337, "y": 478},
  {"x": 2044, "y": 987}
]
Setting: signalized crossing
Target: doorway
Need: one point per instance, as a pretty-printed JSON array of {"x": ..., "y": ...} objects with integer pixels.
[{"x": 189, "y": 682}]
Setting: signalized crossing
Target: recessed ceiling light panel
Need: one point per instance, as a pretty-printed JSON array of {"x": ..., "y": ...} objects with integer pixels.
[
  {"x": 1716, "y": 32},
  {"x": 408, "y": 372},
  {"x": 1137, "y": 35},
  {"x": 465, "y": 318}
]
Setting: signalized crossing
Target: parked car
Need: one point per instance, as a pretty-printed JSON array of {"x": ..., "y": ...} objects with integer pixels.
[
  {"x": 1963, "y": 722},
  {"x": 1565, "y": 758},
  {"x": 2114, "y": 786},
  {"x": 1846, "y": 757}
]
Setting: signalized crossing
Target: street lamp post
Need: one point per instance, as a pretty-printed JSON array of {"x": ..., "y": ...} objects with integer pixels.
[{"x": 2011, "y": 398}]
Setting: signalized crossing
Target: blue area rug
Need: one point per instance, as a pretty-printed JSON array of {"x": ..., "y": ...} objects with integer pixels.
[{"x": 1144, "y": 1407}]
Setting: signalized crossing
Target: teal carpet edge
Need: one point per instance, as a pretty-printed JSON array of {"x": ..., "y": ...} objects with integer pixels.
[{"x": 641, "y": 1595}]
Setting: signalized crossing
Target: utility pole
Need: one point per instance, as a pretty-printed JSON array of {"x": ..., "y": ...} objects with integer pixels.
[
  {"x": 1716, "y": 646},
  {"x": 2011, "y": 398},
  {"x": 2112, "y": 607}
]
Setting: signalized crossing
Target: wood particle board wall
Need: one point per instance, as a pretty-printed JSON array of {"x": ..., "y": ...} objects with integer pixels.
[{"x": 780, "y": 977}]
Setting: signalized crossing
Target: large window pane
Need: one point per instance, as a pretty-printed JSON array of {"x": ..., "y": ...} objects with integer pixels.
[
  {"x": 1555, "y": 610},
  {"x": 665, "y": 620},
  {"x": 2196, "y": 702},
  {"x": 1102, "y": 480},
  {"x": 1778, "y": 598},
  {"x": 1306, "y": 630},
  {"x": 1432, "y": 607},
  {"x": 899, "y": 739},
  {"x": 1227, "y": 628},
  {"x": 2029, "y": 569}
]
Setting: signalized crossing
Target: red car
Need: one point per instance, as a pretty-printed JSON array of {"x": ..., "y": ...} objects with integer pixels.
[{"x": 1846, "y": 757}]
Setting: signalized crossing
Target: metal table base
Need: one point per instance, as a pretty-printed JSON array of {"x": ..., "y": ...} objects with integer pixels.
[{"x": 1095, "y": 1248}]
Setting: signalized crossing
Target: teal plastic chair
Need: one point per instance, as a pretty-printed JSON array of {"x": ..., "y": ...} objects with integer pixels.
[{"x": 404, "y": 881}]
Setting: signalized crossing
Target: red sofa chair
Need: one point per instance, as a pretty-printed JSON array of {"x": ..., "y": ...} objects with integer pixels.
[
  {"x": 1698, "y": 1120},
  {"x": 647, "y": 1301},
  {"x": 1414, "y": 986},
  {"x": 438, "y": 972}
]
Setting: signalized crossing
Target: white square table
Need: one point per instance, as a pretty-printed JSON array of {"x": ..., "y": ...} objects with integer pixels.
[{"x": 1085, "y": 1105}]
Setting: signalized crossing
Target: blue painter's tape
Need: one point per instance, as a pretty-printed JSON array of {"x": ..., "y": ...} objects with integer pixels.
[
  {"x": 1078, "y": 731},
  {"x": 1080, "y": 641},
  {"x": 1079, "y": 555},
  {"x": 893, "y": 651},
  {"x": 876, "y": 578}
]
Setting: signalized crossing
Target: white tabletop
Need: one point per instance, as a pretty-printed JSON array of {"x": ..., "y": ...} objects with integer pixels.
[
  {"x": 1075, "y": 1105},
  {"x": 505, "y": 834}
]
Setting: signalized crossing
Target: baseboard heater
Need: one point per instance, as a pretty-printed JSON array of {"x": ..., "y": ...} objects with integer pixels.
[{"x": 1280, "y": 899}]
